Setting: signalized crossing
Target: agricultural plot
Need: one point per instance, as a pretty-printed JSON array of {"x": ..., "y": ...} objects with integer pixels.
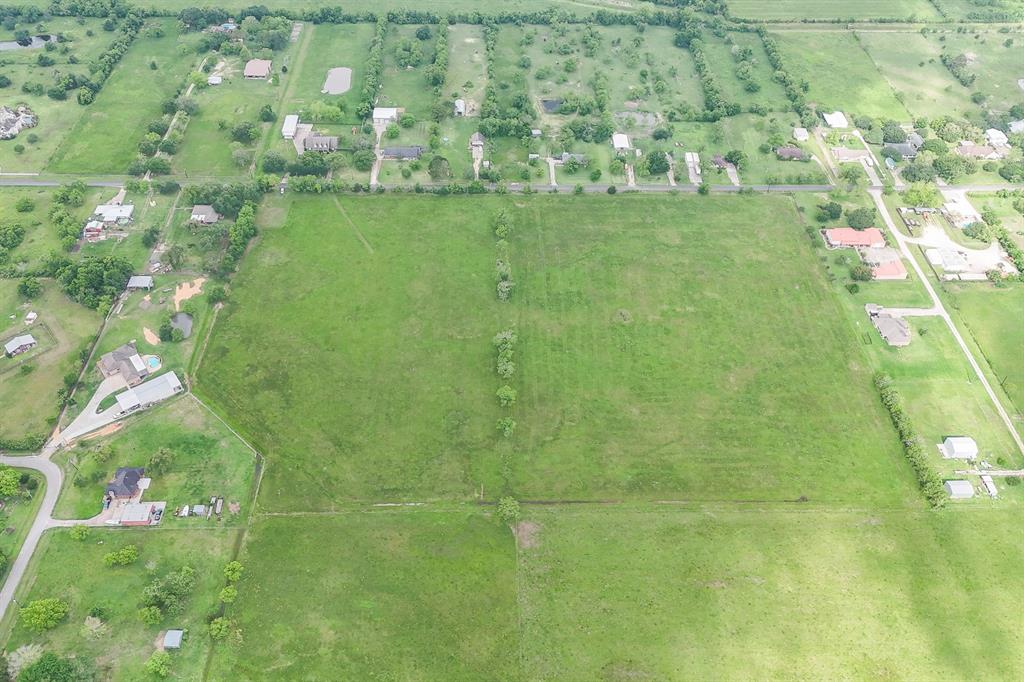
[
  {"x": 102, "y": 623},
  {"x": 29, "y": 382},
  {"x": 910, "y": 63},
  {"x": 840, "y": 73},
  {"x": 189, "y": 454},
  {"x": 104, "y": 139},
  {"x": 994, "y": 60},
  {"x": 30, "y": 80},
  {"x": 423, "y": 595},
  {"x": 731, "y": 595},
  {"x": 914, "y": 10},
  {"x": 598, "y": 333}
]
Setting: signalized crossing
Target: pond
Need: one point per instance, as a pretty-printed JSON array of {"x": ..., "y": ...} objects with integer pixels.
[
  {"x": 37, "y": 42},
  {"x": 182, "y": 321}
]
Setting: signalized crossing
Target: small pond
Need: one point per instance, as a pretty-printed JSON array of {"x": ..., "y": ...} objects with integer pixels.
[
  {"x": 182, "y": 321},
  {"x": 37, "y": 42}
]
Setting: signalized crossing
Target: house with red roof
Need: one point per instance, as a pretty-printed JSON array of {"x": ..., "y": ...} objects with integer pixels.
[{"x": 847, "y": 237}]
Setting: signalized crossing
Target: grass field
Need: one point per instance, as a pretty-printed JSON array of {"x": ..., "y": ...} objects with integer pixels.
[
  {"x": 74, "y": 571},
  {"x": 40, "y": 234},
  {"x": 63, "y": 329},
  {"x": 621, "y": 359},
  {"x": 995, "y": 63},
  {"x": 407, "y": 87},
  {"x": 106, "y": 137},
  {"x": 467, "y": 66},
  {"x": 18, "y": 514},
  {"x": 331, "y": 46},
  {"x": 412, "y": 596},
  {"x": 920, "y": 10},
  {"x": 840, "y": 73},
  {"x": 910, "y": 62},
  {"x": 207, "y": 460}
]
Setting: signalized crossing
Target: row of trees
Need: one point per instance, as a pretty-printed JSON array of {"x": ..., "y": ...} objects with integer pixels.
[
  {"x": 374, "y": 69},
  {"x": 513, "y": 117},
  {"x": 795, "y": 89}
]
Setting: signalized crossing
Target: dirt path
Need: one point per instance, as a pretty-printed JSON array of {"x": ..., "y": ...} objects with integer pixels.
[
  {"x": 630, "y": 176},
  {"x": 355, "y": 228},
  {"x": 478, "y": 157},
  {"x": 671, "y": 171},
  {"x": 551, "y": 173}
]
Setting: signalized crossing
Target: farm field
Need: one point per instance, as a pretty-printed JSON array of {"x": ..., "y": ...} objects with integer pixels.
[
  {"x": 73, "y": 570},
  {"x": 994, "y": 60},
  {"x": 841, "y": 75},
  {"x": 64, "y": 328},
  {"x": 920, "y": 10},
  {"x": 422, "y": 595},
  {"x": 597, "y": 332},
  {"x": 205, "y": 460},
  {"x": 104, "y": 139},
  {"x": 910, "y": 63}
]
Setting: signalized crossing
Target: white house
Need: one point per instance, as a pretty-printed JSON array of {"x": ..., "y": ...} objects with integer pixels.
[
  {"x": 801, "y": 134},
  {"x": 959, "y": 490},
  {"x": 291, "y": 125},
  {"x": 620, "y": 142},
  {"x": 997, "y": 138},
  {"x": 385, "y": 115},
  {"x": 836, "y": 119},
  {"x": 959, "y": 447},
  {"x": 114, "y": 213}
]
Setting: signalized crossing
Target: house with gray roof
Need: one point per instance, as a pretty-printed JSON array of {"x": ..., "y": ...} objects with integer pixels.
[
  {"x": 124, "y": 361},
  {"x": 204, "y": 214},
  {"x": 149, "y": 393},
  {"x": 320, "y": 143},
  {"x": 19, "y": 344},
  {"x": 140, "y": 282},
  {"x": 894, "y": 330},
  {"x": 402, "y": 153}
]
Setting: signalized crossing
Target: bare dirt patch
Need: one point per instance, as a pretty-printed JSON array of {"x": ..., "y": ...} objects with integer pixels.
[
  {"x": 526, "y": 534},
  {"x": 187, "y": 290},
  {"x": 150, "y": 336},
  {"x": 338, "y": 81},
  {"x": 105, "y": 431}
]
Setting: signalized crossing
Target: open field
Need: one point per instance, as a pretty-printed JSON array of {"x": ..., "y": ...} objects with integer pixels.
[
  {"x": 994, "y": 58},
  {"x": 331, "y": 46},
  {"x": 620, "y": 361},
  {"x": 920, "y": 10},
  {"x": 17, "y": 514},
  {"x": 64, "y": 328},
  {"x": 421, "y": 595},
  {"x": 40, "y": 234},
  {"x": 467, "y": 66},
  {"x": 438, "y": 6},
  {"x": 728, "y": 595},
  {"x": 73, "y": 570},
  {"x": 206, "y": 460},
  {"x": 105, "y": 139},
  {"x": 406, "y": 86},
  {"x": 840, "y": 73}
]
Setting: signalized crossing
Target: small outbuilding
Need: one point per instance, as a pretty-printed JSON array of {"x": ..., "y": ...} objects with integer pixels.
[
  {"x": 19, "y": 344},
  {"x": 459, "y": 108},
  {"x": 989, "y": 485},
  {"x": 477, "y": 140},
  {"x": 620, "y": 142},
  {"x": 214, "y": 80},
  {"x": 801, "y": 134},
  {"x": 137, "y": 282},
  {"x": 173, "y": 639},
  {"x": 290, "y": 126},
  {"x": 257, "y": 69},
  {"x": 959, "y": 447},
  {"x": 959, "y": 489},
  {"x": 204, "y": 214},
  {"x": 383, "y": 115},
  {"x": 536, "y": 133},
  {"x": 836, "y": 119}
]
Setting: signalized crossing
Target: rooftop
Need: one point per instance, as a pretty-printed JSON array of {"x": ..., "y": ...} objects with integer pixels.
[
  {"x": 847, "y": 236},
  {"x": 257, "y": 68},
  {"x": 19, "y": 341}
]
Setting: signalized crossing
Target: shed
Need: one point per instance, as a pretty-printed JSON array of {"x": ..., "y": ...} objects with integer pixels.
[
  {"x": 257, "y": 69},
  {"x": 140, "y": 282},
  {"x": 172, "y": 639},
  {"x": 149, "y": 393},
  {"x": 535, "y": 132},
  {"x": 214, "y": 80},
  {"x": 959, "y": 489},
  {"x": 959, "y": 447},
  {"x": 205, "y": 214},
  {"x": 990, "y": 485},
  {"x": 385, "y": 114},
  {"x": 19, "y": 344},
  {"x": 996, "y": 138},
  {"x": 836, "y": 119},
  {"x": 459, "y": 108},
  {"x": 801, "y": 134},
  {"x": 290, "y": 126},
  {"x": 620, "y": 142},
  {"x": 320, "y": 143}
]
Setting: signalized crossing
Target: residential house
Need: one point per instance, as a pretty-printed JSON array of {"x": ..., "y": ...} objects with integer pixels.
[
  {"x": 19, "y": 344},
  {"x": 801, "y": 134},
  {"x": 320, "y": 143},
  {"x": 789, "y": 153},
  {"x": 620, "y": 142},
  {"x": 385, "y": 115},
  {"x": 894, "y": 330},
  {"x": 124, "y": 361},
  {"x": 885, "y": 263},
  {"x": 579, "y": 158},
  {"x": 125, "y": 484},
  {"x": 477, "y": 139},
  {"x": 402, "y": 153},
  {"x": 836, "y": 120},
  {"x": 114, "y": 214},
  {"x": 996, "y": 138},
  {"x": 970, "y": 150},
  {"x": 847, "y": 237},
  {"x": 719, "y": 162},
  {"x": 149, "y": 393},
  {"x": 844, "y": 154},
  {"x": 204, "y": 214},
  {"x": 257, "y": 69}
]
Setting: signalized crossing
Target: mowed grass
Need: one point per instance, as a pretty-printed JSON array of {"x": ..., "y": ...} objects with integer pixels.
[
  {"x": 73, "y": 570},
  {"x": 63, "y": 329},
  {"x": 40, "y": 234},
  {"x": 921, "y": 10},
  {"x": 840, "y": 73},
  {"x": 105, "y": 138},
  {"x": 408, "y": 595},
  {"x": 995, "y": 317},
  {"x": 728, "y": 595},
  {"x": 635, "y": 378},
  {"x": 331, "y": 46},
  {"x": 910, "y": 62}
]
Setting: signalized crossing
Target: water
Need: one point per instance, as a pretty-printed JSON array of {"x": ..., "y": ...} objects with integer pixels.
[
  {"x": 37, "y": 42},
  {"x": 153, "y": 362},
  {"x": 182, "y": 321}
]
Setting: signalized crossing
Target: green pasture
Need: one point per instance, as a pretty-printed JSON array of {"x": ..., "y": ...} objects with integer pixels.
[
  {"x": 105, "y": 138},
  {"x": 994, "y": 58},
  {"x": 841, "y": 75},
  {"x": 467, "y": 66},
  {"x": 777, "y": 10},
  {"x": 40, "y": 234},
  {"x": 330, "y": 46},
  {"x": 407, "y": 88}
]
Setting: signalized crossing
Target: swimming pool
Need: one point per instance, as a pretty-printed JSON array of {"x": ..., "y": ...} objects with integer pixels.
[{"x": 153, "y": 361}]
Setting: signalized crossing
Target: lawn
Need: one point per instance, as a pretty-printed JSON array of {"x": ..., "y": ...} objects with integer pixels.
[
  {"x": 841, "y": 75},
  {"x": 417, "y": 595},
  {"x": 995, "y": 317},
  {"x": 207, "y": 460},
  {"x": 920, "y": 10},
  {"x": 73, "y": 570},
  {"x": 732, "y": 595},
  {"x": 29, "y": 382},
  {"x": 407, "y": 87},
  {"x": 105, "y": 138},
  {"x": 40, "y": 234},
  {"x": 331, "y": 46},
  {"x": 17, "y": 514},
  {"x": 622, "y": 359},
  {"x": 467, "y": 66}
]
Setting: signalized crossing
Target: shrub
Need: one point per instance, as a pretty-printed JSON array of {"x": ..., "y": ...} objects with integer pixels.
[
  {"x": 151, "y": 615},
  {"x": 24, "y": 205},
  {"x": 159, "y": 664},
  {"x": 79, "y": 533},
  {"x": 233, "y": 571},
  {"x": 219, "y": 628},
  {"x": 508, "y": 510},
  {"x": 228, "y": 594},
  {"x": 43, "y": 614},
  {"x": 128, "y": 554},
  {"x": 506, "y": 396},
  {"x": 507, "y": 426}
]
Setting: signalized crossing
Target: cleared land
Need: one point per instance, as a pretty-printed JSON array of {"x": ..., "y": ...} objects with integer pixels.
[
  {"x": 73, "y": 570},
  {"x": 419, "y": 595},
  {"x": 635, "y": 379},
  {"x": 104, "y": 139},
  {"x": 840, "y": 73}
]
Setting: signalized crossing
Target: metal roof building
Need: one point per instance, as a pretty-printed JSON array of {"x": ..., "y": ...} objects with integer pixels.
[
  {"x": 172, "y": 640},
  {"x": 959, "y": 447},
  {"x": 959, "y": 490},
  {"x": 290, "y": 127},
  {"x": 19, "y": 344},
  {"x": 149, "y": 393}
]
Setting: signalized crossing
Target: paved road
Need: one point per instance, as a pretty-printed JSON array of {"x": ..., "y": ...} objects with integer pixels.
[
  {"x": 91, "y": 418},
  {"x": 876, "y": 194}
]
